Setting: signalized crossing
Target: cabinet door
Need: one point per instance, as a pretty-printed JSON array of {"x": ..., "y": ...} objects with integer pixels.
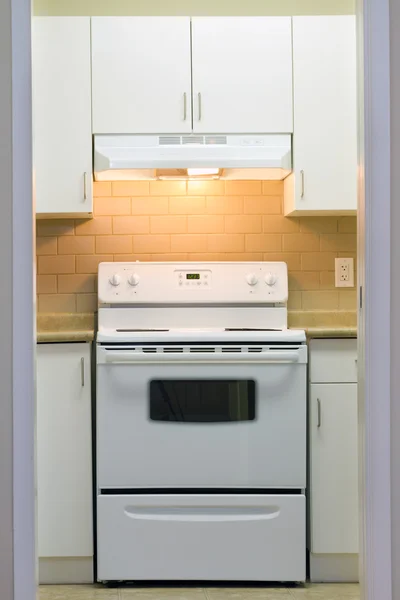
[
  {"x": 62, "y": 136},
  {"x": 141, "y": 77},
  {"x": 325, "y": 116},
  {"x": 334, "y": 468},
  {"x": 242, "y": 74},
  {"x": 64, "y": 451}
]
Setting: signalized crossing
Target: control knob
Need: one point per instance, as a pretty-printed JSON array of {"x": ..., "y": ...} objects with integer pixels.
[
  {"x": 133, "y": 279},
  {"x": 115, "y": 279},
  {"x": 270, "y": 279},
  {"x": 251, "y": 278}
]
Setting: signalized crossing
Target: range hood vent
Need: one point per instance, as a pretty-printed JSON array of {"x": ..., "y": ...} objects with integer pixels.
[{"x": 131, "y": 157}]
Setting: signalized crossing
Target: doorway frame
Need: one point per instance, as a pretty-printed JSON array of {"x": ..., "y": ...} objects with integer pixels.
[
  {"x": 374, "y": 314},
  {"x": 374, "y": 319}
]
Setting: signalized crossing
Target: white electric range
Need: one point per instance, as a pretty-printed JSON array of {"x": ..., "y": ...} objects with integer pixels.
[{"x": 201, "y": 424}]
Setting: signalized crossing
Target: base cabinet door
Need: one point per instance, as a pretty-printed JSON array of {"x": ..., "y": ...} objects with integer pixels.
[
  {"x": 62, "y": 116},
  {"x": 334, "y": 468},
  {"x": 64, "y": 451}
]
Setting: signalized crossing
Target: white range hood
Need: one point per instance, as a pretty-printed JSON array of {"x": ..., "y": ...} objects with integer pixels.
[{"x": 132, "y": 157}]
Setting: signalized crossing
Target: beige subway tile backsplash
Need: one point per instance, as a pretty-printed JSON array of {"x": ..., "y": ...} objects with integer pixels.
[
  {"x": 46, "y": 245},
  {"x": 205, "y": 224},
  {"x": 130, "y": 225},
  {"x": 192, "y": 221},
  {"x": 243, "y": 223},
  {"x": 89, "y": 264},
  {"x": 300, "y": 242},
  {"x": 86, "y": 303},
  {"x": 206, "y": 188},
  {"x": 95, "y": 226},
  {"x": 320, "y": 300},
  {"x": 130, "y": 188},
  {"x": 46, "y": 284},
  {"x": 111, "y": 244},
  {"x": 263, "y": 242},
  {"x": 101, "y": 188},
  {"x": 57, "y": 303},
  {"x": 272, "y": 188},
  {"x": 82, "y": 244},
  {"x": 56, "y": 264},
  {"x": 75, "y": 284},
  {"x": 347, "y": 225},
  {"x": 112, "y": 206},
  {"x": 280, "y": 224},
  {"x": 189, "y": 243},
  {"x": 225, "y": 242},
  {"x": 263, "y": 205},
  {"x": 168, "y": 188},
  {"x": 55, "y": 227},
  {"x": 186, "y": 205},
  {"x": 144, "y": 244},
  {"x": 224, "y": 205},
  {"x": 150, "y": 205},
  {"x": 243, "y": 188}
]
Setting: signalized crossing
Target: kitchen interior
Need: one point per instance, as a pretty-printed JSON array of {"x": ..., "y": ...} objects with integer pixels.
[{"x": 196, "y": 241}]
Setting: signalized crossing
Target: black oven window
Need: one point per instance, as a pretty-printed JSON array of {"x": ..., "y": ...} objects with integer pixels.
[{"x": 202, "y": 400}]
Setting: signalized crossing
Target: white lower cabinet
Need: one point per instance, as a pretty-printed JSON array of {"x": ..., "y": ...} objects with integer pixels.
[
  {"x": 333, "y": 461},
  {"x": 64, "y": 463}
]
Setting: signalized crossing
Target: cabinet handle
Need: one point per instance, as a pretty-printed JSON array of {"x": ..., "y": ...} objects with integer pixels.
[
  {"x": 184, "y": 106},
  {"x": 82, "y": 372},
  {"x": 199, "y": 104},
  {"x": 302, "y": 184},
  {"x": 85, "y": 186},
  {"x": 318, "y": 412}
]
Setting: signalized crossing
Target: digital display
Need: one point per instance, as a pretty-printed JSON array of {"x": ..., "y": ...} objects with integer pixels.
[{"x": 192, "y": 275}]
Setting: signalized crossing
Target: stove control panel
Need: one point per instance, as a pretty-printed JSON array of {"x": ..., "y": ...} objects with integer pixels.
[
  {"x": 193, "y": 279},
  {"x": 225, "y": 283}
]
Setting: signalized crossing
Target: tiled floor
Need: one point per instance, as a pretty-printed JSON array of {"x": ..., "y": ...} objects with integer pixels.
[{"x": 307, "y": 592}]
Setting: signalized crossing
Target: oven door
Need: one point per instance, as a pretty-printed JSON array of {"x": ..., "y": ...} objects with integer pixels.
[{"x": 201, "y": 417}]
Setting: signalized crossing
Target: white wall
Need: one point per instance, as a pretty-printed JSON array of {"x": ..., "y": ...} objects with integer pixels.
[
  {"x": 193, "y": 7},
  {"x": 17, "y": 574}
]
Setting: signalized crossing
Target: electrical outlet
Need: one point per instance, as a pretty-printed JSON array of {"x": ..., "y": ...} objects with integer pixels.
[{"x": 344, "y": 272}]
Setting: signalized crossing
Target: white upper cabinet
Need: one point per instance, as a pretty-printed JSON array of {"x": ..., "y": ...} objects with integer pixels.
[
  {"x": 242, "y": 74},
  {"x": 325, "y": 117},
  {"x": 62, "y": 136},
  {"x": 141, "y": 75}
]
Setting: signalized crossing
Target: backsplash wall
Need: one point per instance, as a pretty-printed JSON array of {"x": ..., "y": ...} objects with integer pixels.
[{"x": 178, "y": 220}]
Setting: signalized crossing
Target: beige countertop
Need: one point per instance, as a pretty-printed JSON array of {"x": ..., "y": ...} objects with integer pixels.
[
  {"x": 324, "y": 324},
  {"x": 67, "y": 327}
]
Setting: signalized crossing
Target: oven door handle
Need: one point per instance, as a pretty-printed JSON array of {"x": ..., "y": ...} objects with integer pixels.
[
  {"x": 202, "y": 514},
  {"x": 270, "y": 356}
]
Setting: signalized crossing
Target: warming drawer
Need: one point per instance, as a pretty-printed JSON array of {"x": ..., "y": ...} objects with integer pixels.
[{"x": 201, "y": 537}]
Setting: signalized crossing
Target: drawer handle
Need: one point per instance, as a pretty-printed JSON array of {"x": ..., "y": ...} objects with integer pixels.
[
  {"x": 82, "y": 372},
  {"x": 302, "y": 184},
  {"x": 85, "y": 186},
  {"x": 202, "y": 513},
  {"x": 318, "y": 412},
  {"x": 184, "y": 106}
]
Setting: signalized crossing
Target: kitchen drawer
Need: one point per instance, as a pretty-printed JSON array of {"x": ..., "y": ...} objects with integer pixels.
[
  {"x": 333, "y": 361},
  {"x": 201, "y": 537}
]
